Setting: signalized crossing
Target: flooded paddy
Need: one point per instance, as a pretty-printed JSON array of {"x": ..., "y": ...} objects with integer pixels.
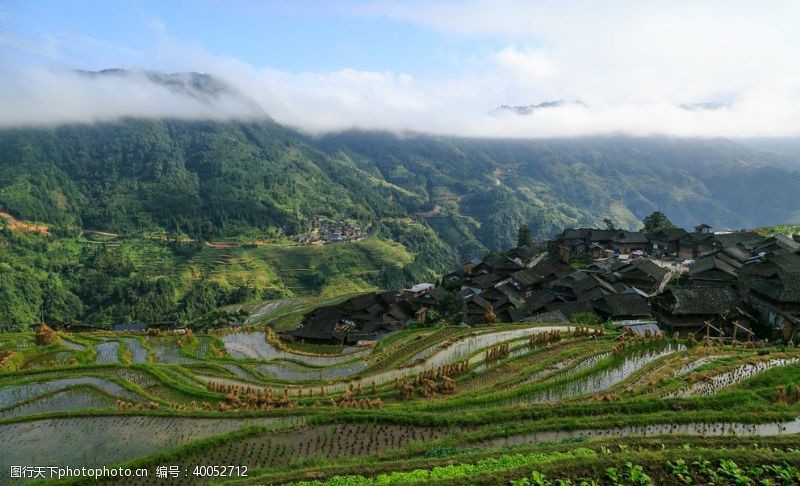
[
  {"x": 730, "y": 378},
  {"x": 104, "y": 441},
  {"x": 107, "y": 352},
  {"x": 296, "y": 373},
  {"x": 466, "y": 348},
  {"x": 63, "y": 401},
  {"x": 169, "y": 353},
  {"x": 653, "y": 430},
  {"x": 138, "y": 352},
  {"x": 12, "y": 395},
  {"x": 254, "y": 345},
  {"x": 72, "y": 345},
  {"x": 600, "y": 381}
]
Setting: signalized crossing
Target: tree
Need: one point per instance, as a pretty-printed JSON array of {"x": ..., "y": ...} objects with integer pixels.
[
  {"x": 609, "y": 224},
  {"x": 656, "y": 222},
  {"x": 454, "y": 310},
  {"x": 524, "y": 237}
]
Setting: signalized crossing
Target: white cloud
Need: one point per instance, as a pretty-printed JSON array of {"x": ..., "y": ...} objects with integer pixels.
[
  {"x": 529, "y": 64},
  {"x": 632, "y": 63},
  {"x": 43, "y": 97}
]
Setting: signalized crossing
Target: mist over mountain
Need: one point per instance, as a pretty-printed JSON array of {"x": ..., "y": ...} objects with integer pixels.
[
  {"x": 530, "y": 109},
  {"x": 349, "y": 99},
  {"x": 202, "y": 87},
  {"x": 41, "y": 97}
]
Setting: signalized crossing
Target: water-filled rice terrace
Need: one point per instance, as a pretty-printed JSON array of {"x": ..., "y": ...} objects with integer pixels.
[{"x": 450, "y": 405}]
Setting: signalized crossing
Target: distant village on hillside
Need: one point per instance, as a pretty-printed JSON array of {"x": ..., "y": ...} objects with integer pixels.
[
  {"x": 734, "y": 286},
  {"x": 324, "y": 231}
]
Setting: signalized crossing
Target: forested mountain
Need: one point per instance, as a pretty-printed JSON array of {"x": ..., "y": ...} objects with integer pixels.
[
  {"x": 443, "y": 199},
  {"x": 218, "y": 179}
]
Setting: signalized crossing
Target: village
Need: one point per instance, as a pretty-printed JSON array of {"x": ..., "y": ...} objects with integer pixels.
[
  {"x": 324, "y": 231},
  {"x": 732, "y": 286}
]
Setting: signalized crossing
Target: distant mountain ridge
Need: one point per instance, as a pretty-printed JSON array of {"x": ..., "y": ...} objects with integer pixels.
[{"x": 531, "y": 109}]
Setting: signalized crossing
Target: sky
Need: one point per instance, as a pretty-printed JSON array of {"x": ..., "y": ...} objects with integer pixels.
[{"x": 684, "y": 68}]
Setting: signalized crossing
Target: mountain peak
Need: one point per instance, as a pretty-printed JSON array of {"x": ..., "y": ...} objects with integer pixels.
[{"x": 531, "y": 109}]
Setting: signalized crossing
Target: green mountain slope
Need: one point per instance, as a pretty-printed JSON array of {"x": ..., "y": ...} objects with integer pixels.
[
  {"x": 427, "y": 202},
  {"x": 550, "y": 184}
]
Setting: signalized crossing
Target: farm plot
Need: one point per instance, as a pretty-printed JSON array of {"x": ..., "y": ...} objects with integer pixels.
[
  {"x": 719, "y": 429},
  {"x": 601, "y": 380},
  {"x": 203, "y": 349},
  {"x": 99, "y": 441},
  {"x": 77, "y": 398},
  {"x": 107, "y": 352},
  {"x": 12, "y": 395},
  {"x": 693, "y": 365},
  {"x": 328, "y": 442},
  {"x": 465, "y": 348},
  {"x": 238, "y": 371},
  {"x": 295, "y": 373},
  {"x": 168, "y": 352},
  {"x": 137, "y": 351},
  {"x": 72, "y": 345},
  {"x": 474, "y": 393},
  {"x": 58, "y": 358},
  {"x": 254, "y": 345},
  {"x": 730, "y": 378},
  {"x": 138, "y": 377}
]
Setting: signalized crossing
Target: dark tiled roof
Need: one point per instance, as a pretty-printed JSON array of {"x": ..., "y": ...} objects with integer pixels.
[
  {"x": 321, "y": 329},
  {"x": 540, "y": 298},
  {"x": 671, "y": 234},
  {"x": 131, "y": 326},
  {"x": 623, "y": 305},
  {"x": 604, "y": 266},
  {"x": 527, "y": 277},
  {"x": 643, "y": 265},
  {"x": 603, "y": 235},
  {"x": 388, "y": 297},
  {"x": 479, "y": 301},
  {"x": 696, "y": 237},
  {"x": 630, "y": 237},
  {"x": 503, "y": 263},
  {"x": 569, "y": 308},
  {"x": 523, "y": 252},
  {"x": 788, "y": 262},
  {"x": 784, "y": 287},
  {"x": 744, "y": 238},
  {"x": 519, "y": 313},
  {"x": 359, "y": 302},
  {"x": 701, "y": 300},
  {"x": 510, "y": 290},
  {"x": 549, "y": 317},
  {"x": 572, "y": 233},
  {"x": 735, "y": 253},
  {"x": 713, "y": 261},
  {"x": 487, "y": 281}
]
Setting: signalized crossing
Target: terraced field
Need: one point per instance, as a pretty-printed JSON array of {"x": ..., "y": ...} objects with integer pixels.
[{"x": 452, "y": 405}]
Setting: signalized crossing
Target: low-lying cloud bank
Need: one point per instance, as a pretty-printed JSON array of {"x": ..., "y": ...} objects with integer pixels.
[
  {"x": 717, "y": 68},
  {"x": 43, "y": 97},
  {"x": 322, "y": 102}
]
